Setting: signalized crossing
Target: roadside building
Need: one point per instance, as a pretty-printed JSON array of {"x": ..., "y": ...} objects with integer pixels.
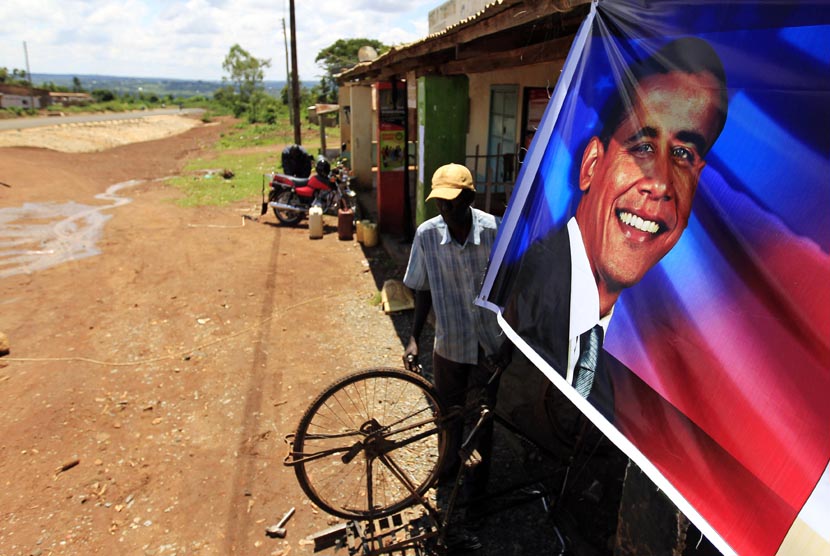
[
  {"x": 69, "y": 99},
  {"x": 20, "y": 96},
  {"x": 472, "y": 91}
]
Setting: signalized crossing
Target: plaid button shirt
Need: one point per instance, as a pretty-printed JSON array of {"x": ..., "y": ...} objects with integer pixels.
[{"x": 453, "y": 274}]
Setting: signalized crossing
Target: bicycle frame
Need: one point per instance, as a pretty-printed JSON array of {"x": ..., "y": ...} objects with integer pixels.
[{"x": 379, "y": 442}]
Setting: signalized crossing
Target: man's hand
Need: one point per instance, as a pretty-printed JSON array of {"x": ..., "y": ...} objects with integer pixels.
[
  {"x": 410, "y": 356},
  {"x": 496, "y": 362}
]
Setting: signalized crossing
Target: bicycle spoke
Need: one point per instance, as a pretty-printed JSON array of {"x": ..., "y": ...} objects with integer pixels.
[
  {"x": 380, "y": 416},
  {"x": 398, "y": 472}
]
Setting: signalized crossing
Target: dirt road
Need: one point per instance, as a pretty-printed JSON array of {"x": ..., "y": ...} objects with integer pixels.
[
  {"x": 150, "y": 385},
  {"x": 159, "y": 356}
]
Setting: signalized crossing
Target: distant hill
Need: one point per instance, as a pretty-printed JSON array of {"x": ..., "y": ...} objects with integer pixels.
[{"x": 159, "y": 86}]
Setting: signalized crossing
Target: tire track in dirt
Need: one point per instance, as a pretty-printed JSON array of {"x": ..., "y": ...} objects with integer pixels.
[{"x": 238, "y": 527}]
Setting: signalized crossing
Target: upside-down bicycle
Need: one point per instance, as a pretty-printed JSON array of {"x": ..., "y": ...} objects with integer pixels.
[{"x": 372, "y": 444}]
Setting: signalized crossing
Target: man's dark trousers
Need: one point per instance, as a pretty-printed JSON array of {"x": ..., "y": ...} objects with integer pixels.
[{"x": 453, "y": 381}]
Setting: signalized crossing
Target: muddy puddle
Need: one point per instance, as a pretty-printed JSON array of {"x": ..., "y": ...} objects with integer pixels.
[{"x": 37, "y": 236}]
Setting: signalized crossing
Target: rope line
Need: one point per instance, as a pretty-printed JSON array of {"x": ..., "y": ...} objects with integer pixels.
[{"x": 172, "y": 356}]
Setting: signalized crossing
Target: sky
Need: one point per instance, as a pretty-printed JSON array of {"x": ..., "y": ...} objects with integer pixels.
[{"x": 189, "y": 39}]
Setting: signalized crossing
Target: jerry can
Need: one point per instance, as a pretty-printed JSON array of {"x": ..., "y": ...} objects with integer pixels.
[
  {"x": 315, "y": 223},
  {"x": 345, "y": 223}
]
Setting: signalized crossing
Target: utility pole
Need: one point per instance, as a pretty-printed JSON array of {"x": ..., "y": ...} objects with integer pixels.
[
  {"x": 295, "y": 79},
  {"x": 288, "y": 83},
  {"x": 29, "y": 75}
]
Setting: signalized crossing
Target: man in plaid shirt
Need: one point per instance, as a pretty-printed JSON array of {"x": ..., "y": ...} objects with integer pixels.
[{"x": 446, "y": 265}]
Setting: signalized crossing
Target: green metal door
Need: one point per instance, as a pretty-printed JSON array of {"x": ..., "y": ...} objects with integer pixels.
[{"x": 443, "y": 106}]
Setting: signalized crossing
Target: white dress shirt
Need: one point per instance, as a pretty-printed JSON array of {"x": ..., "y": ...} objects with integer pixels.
[{"x": 584, "y": 298}]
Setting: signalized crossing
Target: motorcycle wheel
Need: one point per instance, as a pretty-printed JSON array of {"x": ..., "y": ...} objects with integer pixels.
[{"x": 287, "y": 217}]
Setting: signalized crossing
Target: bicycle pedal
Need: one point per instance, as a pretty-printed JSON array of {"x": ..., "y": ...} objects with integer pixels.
[{"x": 472, "y": 460}]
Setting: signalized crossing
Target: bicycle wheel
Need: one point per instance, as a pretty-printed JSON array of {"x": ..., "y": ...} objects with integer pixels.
[{"x": 370, "y": 443}]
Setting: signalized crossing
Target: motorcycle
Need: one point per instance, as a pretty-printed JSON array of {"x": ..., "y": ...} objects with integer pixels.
[{"x": 291, "y": 197}]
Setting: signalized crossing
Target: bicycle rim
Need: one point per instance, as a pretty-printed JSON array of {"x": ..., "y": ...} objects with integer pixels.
[{"x": 406, "y": 448}]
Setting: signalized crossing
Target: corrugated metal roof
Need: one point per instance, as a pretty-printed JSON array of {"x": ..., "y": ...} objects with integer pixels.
[
  {"x": 398, "y": 52},
  {"x": 488, "y": 8}
]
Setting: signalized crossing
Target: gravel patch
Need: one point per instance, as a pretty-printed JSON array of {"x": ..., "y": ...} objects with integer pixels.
[{"x": 97, "y": 136}]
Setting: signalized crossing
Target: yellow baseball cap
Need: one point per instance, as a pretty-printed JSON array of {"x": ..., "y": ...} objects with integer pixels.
[{"x": 450, "y": 180}]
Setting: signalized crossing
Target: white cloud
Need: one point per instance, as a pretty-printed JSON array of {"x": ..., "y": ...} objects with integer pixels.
[{"x": 190, "y": 38}]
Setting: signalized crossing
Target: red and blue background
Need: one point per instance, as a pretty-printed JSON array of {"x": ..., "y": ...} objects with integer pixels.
[{"x": 732, "y": 327}]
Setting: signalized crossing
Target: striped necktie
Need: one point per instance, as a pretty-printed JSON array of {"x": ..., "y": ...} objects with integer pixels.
[{"x": 590, "y": 344}]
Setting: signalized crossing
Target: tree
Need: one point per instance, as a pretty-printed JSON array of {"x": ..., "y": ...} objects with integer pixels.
[
  {"x": 338, "y": 57},
  {"x": 285, "y": 92},
  {"x": 51, "y": 86},
  {"x": 323, "y": 93},
  {"x": 15, "y": 77},
  {"x": 76, "y": 85},
  {"x": 103, "y": 95},
  {"x": 245, "y": 72}
]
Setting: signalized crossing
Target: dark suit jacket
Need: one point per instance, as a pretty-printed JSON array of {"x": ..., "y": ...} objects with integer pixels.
[{"x": 536, "y": 296}]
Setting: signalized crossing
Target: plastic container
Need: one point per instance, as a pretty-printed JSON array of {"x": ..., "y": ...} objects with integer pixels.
[
  {"x": 315, "y": 223},
  {"x": 370, "y": 234},
  {"x": 359, "y": 231},
  {"x": 345, "y": 224},
  {"x": 363, "y": 224}
]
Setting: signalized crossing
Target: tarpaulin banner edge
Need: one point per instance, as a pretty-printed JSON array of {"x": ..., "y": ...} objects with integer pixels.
[
  {"x": 617, "y": 438},
  {"x": 531, "y": 163}
]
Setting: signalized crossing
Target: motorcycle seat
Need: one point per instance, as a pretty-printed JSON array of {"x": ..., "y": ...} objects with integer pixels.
[{"x": 291, "y": 180}]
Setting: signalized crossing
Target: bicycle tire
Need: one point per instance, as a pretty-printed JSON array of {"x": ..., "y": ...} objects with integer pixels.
[{"x": 336, "y": 427}]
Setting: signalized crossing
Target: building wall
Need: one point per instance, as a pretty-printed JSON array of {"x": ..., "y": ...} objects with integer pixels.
[
  {"x": 68, "y": 99},
  {"x": 538, "y": 75},
  {"x": 344, "y": 99},
  {"x": 453, "y": 11},
  {"x": 362, "y": 122},
  {"x": 20, "y": 101},
  {"x": 22, "y": 97}
]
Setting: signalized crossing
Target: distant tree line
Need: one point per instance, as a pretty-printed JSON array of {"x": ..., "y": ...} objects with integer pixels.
[
  {"x": 19, "y": 77},
  {"x": 242, "y": 92}
]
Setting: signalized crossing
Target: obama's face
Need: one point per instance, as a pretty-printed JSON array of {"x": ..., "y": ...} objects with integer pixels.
[{"x": 638, "y": 192}]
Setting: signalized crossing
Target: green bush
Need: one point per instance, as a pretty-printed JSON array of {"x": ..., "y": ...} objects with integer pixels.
[
  {"x": 103, "y": 95},
  {"x": 265, "y": 109},
  {"x": 13, "y": 112}
]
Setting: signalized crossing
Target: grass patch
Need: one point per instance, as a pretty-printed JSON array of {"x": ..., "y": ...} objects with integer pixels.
[
  {"x": 376, "y": 299},
  {"x": 203, "y": 184},
  {"x": 244, "y": 135}
]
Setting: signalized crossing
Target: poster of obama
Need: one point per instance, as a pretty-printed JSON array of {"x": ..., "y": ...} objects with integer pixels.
[{"x": 665, "y": 257}]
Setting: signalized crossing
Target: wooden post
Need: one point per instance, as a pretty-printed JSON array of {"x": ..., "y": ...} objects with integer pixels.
[
  {"x": 322, "y": 120},
  {"x": 295, "y": 78},
  {"x": 288, "y": 81}
]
